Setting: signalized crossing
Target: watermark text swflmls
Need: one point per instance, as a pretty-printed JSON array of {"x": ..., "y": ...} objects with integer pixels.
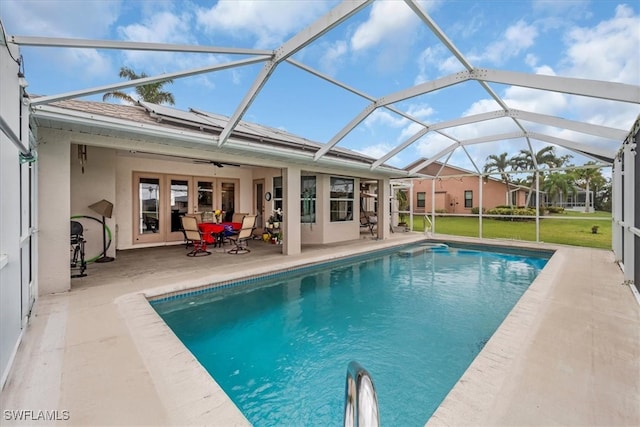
[{"x": 35, "y": 415}]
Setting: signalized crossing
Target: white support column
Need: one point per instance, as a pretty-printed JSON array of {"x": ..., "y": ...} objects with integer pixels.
[
  {"x": 537, "y": 206},
  {"x": 411, "y": 205},
  {"x": 54, "y": 212},
  {"x": 628, "y": 207},
  {"x": 384, "y": 214},
  {"x": 480, "y": 188},
  {"x": 433, "y": 206},
  {"x": 291, "y": 203},
  {"x": 616, "y": 209}
]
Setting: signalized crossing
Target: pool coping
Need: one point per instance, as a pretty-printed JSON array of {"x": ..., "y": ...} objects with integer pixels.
[{"x": 192, "y": 396}]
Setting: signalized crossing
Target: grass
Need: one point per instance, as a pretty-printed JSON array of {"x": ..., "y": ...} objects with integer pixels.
[{"x": 553, "y": 228}]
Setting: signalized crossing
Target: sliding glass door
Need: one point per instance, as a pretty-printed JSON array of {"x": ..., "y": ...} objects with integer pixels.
[
  {"x": 160, "y": 200},
  {"x": 148, "y": 213}
]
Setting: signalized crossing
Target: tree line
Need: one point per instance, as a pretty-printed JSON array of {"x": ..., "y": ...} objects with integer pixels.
[{"x": 556, "y": 184}]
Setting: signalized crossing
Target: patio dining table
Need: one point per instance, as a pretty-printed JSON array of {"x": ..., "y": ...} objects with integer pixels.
[{"x": 214, "y": 232}]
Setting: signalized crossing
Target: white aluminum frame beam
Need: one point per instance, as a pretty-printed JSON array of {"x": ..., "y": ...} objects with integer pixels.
[
  {"x": 301, "y": 39},
  {"x": 352, "y": 90},
  {"x": 574, "y": 146},
  {"x": 401, "y": 95},
  {"x": 582, "y": 127},
  {"x": 146, "y": 80},
  {"x": 570, "y": 145},
  {"x": 6, "y": 129},
  {"x": 436, "y": 126},
  {"x": 585, "y": 87},
  {"x": 129, "y": 45},
  {"x": 454, "y": 50}
]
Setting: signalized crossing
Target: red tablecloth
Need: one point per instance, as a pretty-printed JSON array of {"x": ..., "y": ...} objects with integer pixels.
[
  {"x": 210, "y": 231},
  {"x": 214, "y": 233}
]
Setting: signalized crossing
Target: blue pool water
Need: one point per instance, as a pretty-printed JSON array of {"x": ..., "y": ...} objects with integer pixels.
[{"x": 414, "y": 318}]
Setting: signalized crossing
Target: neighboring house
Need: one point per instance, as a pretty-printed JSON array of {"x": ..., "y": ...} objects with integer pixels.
[
  {"x": 456, "y": 193},
  {"x": 576, "y": 201}
]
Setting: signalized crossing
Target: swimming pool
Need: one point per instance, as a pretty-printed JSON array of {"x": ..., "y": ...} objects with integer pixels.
[{"x": 414, "y": 317}]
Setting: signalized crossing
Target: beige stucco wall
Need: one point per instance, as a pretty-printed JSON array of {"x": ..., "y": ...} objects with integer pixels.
[
  {"x": 54, "y": 203},
  {"x": 96, "y": 183}
]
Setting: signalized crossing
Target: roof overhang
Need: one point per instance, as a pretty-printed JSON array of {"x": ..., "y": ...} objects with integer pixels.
[{"x": 242, "y": 149}]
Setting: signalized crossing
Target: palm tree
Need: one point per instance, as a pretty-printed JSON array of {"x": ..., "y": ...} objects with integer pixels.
[
  {"x": 500, "y": 163},
  {"x": 584, "y": 177},
  {"x": 559, "y": 185},
  {"x": 150, "y": 92},
  {"x": 546, "y": 156}
]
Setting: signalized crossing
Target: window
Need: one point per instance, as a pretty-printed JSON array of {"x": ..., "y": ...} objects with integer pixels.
[
  {"x": 421, "y": 199},
  {"x": 341, "y": 199},
  {"x": 277, "y": 192},
  {"x": 228, "y": 196},
  {"x": 308, "y": 199},
  {"x": 468, "y": 199}
]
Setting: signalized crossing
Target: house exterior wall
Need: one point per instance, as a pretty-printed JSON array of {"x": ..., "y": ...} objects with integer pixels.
[
  {"x": 108, "y": 174},
  {"x": 450, "y": 194},
  {"x": 97, "y": 182}
]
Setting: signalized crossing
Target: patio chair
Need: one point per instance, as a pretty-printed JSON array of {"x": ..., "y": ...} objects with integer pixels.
[
  {"x": 237, "y": 216},
  {"x": 192, "y": 234},
  {"x": 369, "y": 221},
  {"x": 245, "y": 234},
  {"x": 197, "y": 216}
]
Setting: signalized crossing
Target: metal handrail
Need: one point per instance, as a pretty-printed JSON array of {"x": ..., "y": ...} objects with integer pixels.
[
  {"x": 361, "y": 401},
  {"x": 427, "y": 219}
]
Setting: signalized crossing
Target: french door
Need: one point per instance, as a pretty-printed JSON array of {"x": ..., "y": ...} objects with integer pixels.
[{"x": 159, "y": 200}]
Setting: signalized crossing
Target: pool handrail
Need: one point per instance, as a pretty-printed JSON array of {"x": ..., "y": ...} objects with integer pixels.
[
  {"x": 360, "y": 399},
  {"x": 428, "y": 229}
]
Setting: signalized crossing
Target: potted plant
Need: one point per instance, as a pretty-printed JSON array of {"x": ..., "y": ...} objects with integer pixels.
[{"x": 275, "y": 219}]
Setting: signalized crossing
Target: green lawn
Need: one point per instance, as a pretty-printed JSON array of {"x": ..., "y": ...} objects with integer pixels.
[{"x": 553, "y": 229}]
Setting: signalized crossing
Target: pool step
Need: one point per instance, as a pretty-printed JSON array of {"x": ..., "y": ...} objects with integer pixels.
[{"x": 425, "y": 247}]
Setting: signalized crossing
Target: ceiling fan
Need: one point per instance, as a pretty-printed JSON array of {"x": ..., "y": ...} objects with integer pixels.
[{"x": 216, "y": 163}]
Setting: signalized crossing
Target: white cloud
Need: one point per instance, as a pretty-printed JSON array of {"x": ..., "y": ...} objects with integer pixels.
[
  {"x": 385, "y": 118},
  {"x": 515, "y": 39},
  {"x": 69, "y": 19},
  {"x": 333, "y": 56},
  {"x": 60, "y": 18},
  {"x": 608, "y": 51},
  {"x": 376, "y": 151},
  {"x": 387, "y": 19},
  {"x": 432, "y": 144},
  {"x": 439, "y": 59},
  {"x": 268, "y": 22},
  {"x": 161, "y": 27}
]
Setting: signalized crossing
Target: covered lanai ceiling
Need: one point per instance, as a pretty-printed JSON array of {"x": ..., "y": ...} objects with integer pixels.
[{"x": 597, "y": 112}]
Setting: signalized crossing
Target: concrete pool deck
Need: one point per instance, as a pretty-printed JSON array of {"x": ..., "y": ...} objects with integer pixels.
[{"x": 567, "y": 354}]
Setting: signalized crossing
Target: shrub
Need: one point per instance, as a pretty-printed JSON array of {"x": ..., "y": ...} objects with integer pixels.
[
  {"x": 594, "y": 229},
  {"x": 555, "y": 209},
  {"x": 508, "y": 211},
  {"x": 476, "y": 210}
]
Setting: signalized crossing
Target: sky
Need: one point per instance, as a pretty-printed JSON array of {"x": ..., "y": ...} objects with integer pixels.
[{"x": 382, "y": 49}]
